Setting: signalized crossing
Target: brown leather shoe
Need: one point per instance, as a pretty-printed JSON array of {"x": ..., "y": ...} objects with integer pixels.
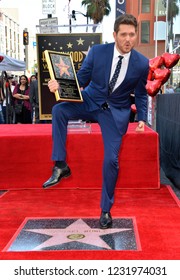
[
  {"x": 105, "y": 220},
  {"x": 57, "y": 175}
]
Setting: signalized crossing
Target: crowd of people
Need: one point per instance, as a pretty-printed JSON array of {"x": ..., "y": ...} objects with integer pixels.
[{"x": 20, "y": 97}]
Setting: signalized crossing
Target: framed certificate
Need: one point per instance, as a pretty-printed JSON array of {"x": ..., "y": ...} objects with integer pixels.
[{"x": 61, "y": 68}]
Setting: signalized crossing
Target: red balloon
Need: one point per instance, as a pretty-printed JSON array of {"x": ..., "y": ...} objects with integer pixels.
[
  {"x": 133, "y": 108},
  {"x": 162, "y": 74},
  {"x": 150, "y": 76},
  {"x": 170, "y": 59},
  {"x": 1, "y": 58},
  {"x": 153, "y": 87},
  {"x": 156, "y": 62}
]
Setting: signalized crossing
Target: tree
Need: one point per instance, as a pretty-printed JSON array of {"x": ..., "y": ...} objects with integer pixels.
[{"x": 96, "y": 10}]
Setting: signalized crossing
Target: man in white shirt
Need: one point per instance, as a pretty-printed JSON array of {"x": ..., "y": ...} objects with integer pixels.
[{"x": 108, "y": 76}]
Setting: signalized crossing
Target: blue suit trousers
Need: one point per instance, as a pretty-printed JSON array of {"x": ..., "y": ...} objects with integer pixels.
[{"x": 112, "y": 138}]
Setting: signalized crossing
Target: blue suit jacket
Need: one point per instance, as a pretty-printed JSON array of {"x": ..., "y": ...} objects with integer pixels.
[{"x": 94, "y": 76}]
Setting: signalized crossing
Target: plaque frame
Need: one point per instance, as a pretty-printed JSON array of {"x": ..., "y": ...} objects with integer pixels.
[{"x": 69, "y": 87}]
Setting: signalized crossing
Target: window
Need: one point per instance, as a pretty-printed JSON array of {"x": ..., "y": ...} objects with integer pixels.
[
  {"x": 145, "y": 6},
  {"x": 145, "y": 32}
]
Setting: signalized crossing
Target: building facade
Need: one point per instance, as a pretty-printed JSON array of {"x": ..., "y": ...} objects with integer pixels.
[
  {"x": 10, "y": 33},
  {"x": 159, "y": 30},
  {"x": 151, "y": 16}
]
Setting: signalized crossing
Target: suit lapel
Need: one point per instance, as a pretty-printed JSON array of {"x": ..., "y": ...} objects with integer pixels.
[
  {"x": 109, "y": 57},
  {"x": 131, "y": 68}
]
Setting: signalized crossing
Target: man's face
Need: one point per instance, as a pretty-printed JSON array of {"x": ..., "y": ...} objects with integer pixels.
[{"x": 125, "y": 38}]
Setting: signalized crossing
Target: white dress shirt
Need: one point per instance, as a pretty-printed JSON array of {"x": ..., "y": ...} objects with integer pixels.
[{"x": 124, "y": 66}]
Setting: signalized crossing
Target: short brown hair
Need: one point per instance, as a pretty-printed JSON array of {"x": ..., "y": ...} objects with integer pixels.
[{"x": 125, "y": 19}]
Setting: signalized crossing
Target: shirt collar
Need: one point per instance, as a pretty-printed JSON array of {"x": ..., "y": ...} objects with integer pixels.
[{"x": 116, "y": 54}]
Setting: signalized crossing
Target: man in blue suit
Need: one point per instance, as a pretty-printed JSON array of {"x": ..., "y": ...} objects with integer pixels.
[{"x": 109, "y": 107}]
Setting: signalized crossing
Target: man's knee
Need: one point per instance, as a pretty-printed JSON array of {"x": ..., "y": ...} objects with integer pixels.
[{"x": 57, "y": 110}]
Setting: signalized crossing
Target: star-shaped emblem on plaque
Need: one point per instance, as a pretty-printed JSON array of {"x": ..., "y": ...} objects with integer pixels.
[
  {"x": 74, "y": 234},
  {"x": 63, "y": 68}
]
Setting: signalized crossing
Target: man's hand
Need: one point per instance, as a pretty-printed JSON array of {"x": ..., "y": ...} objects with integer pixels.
[
  {"x": 140, "y": 126},
  {"x": 53, "y": 85}
]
